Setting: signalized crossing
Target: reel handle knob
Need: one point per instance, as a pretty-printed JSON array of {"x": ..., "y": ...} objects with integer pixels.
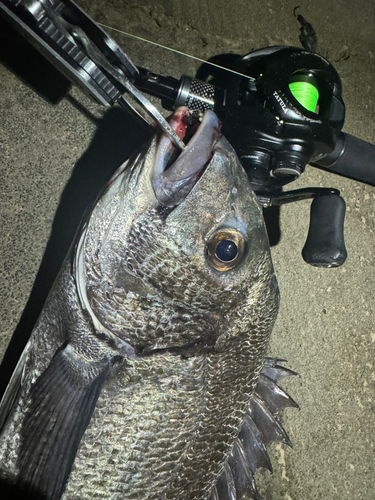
[{"x": 325, "y": 245}]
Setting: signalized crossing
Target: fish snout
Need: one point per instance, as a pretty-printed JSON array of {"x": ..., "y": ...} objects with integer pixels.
[{"x": 175, "y": 173}]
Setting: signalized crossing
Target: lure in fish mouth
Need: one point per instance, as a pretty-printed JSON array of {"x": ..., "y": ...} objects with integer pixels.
[
  {"x": 172, "y": 184},
  {"x": 145, "y": 375}
]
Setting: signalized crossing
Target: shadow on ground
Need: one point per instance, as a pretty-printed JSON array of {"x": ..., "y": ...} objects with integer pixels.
[{"x": 107, "y": 151}]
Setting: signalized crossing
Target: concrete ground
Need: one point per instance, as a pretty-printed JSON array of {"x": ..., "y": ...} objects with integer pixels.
[{"x": 58, "y": 148}]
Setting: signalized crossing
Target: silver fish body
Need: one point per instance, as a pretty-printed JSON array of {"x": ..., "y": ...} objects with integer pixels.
[{"x": 140, "y": 371}]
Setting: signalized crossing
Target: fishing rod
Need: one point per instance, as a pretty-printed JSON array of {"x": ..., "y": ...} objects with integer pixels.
[{"x": 281, "y": 108}]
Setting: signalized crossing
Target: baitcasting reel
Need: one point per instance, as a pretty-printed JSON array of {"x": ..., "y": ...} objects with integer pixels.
[{"x": 285, "y": 113}]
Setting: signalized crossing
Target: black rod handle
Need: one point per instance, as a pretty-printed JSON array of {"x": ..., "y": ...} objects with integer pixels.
[{"x": 353, "y": 158}]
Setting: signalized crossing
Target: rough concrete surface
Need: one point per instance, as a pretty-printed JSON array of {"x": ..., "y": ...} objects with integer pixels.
[{"x": 56, "y": 155}]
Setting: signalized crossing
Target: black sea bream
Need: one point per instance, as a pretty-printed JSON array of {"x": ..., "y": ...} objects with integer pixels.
[{"x": 145, "y": 376}]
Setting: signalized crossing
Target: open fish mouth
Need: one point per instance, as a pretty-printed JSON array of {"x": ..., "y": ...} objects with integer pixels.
[{"x": 174, "y": 174}]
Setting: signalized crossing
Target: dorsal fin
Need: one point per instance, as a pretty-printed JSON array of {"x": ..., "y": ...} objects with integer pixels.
[{"x": 260, "y": 427}]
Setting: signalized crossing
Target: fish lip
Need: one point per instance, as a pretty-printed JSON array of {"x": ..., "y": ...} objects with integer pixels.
[{"x": 174, "y": 177}]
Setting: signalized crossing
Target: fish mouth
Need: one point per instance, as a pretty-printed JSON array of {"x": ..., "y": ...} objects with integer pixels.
[{"x": 175, "y": 172}]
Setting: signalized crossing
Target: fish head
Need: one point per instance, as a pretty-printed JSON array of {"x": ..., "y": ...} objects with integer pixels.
[{"x": 177, "y": 252}]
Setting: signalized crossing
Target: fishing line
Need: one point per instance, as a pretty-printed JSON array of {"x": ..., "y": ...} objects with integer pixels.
[
  {"x": 304, "y": 88},
  {"x": 306, "y": 94},
  {"x": 175, "y": 51}
]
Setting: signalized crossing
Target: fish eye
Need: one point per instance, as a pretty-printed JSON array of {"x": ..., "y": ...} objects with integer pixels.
[{"x": 226, "y": 249}]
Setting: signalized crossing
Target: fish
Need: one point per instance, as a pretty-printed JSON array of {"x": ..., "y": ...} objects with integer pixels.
[{"x": 146, "y": 373}]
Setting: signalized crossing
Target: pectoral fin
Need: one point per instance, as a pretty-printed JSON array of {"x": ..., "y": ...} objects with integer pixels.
[{"x": 62, "y": 401}]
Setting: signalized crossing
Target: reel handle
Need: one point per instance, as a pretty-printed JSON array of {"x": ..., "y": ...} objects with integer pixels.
[{"x": 325, "y": 245}]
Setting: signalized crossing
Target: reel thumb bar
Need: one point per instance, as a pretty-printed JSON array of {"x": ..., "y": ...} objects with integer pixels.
[{"x": 352, "y": 157}]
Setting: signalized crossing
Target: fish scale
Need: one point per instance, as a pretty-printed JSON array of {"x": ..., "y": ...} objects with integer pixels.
[
  {"x": 143, "y": 455},
  {"x": 218, "y": 427},
  {"x": 132, "y": 420}
]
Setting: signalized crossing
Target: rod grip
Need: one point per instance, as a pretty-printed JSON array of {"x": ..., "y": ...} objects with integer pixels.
[
  {"x": 353, "y": 158},
  {"x": 325, "y": 244}
]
